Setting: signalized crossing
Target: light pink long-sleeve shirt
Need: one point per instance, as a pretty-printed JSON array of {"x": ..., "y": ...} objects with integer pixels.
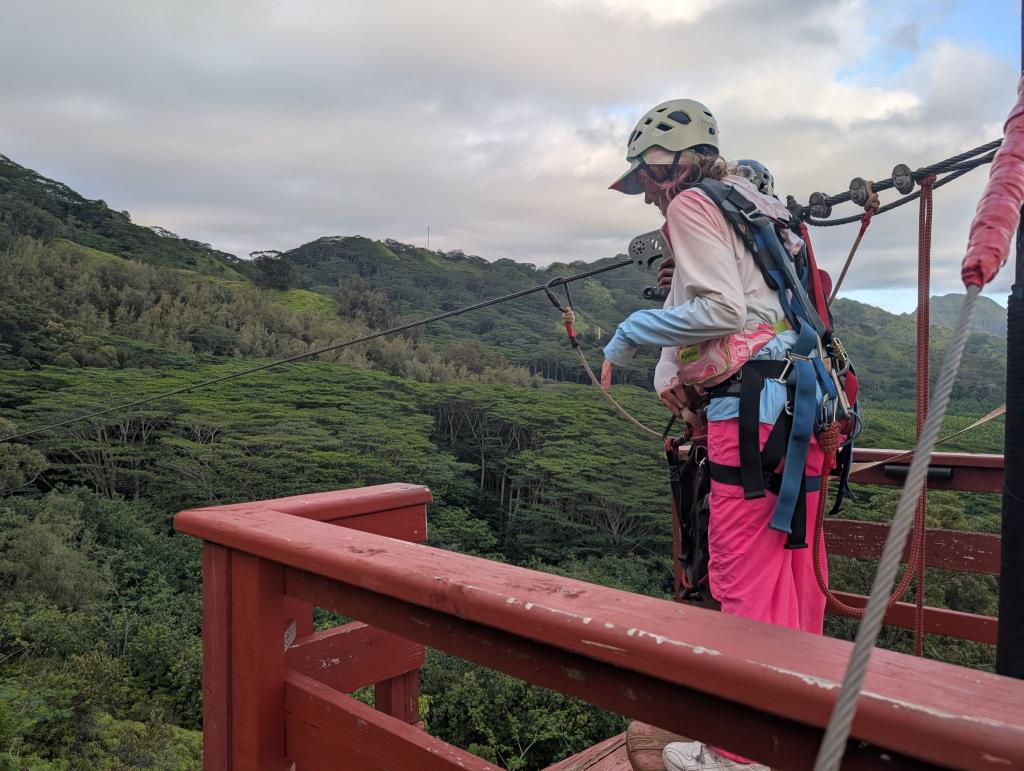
[{"x": 717, "y": 288}]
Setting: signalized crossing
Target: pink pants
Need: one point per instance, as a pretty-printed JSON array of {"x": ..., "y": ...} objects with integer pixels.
[{"x": 751, "y": 573}]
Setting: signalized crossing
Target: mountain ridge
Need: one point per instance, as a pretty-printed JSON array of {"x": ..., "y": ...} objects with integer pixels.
[{"x": 382, "y": 283}]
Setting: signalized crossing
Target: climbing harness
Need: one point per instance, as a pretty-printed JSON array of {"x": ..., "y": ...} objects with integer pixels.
[
  {"x": 690, "y": 482},
  {"x": 812, "y": 372}
]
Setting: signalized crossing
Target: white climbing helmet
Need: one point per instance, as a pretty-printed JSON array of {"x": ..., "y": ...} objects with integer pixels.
[{"x": 679, "y": 124}]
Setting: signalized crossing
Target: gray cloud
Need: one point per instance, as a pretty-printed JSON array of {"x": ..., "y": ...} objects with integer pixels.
[{"x": 499, "y": 125}]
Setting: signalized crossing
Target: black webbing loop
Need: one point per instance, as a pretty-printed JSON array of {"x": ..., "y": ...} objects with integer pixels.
[{"x": 752, "y": 463}]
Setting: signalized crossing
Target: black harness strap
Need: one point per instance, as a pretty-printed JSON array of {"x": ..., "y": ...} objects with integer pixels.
[
  {"x": 797, "y": 538},
  {"x": 772, "y": 481},
  {"x": 691, "y": 484},
  {"x": 752, "y": 461},
  {"x": 730, "y": 475},
  {"x": 759, "y": 466},
  {"x": 844, "y": 462}
]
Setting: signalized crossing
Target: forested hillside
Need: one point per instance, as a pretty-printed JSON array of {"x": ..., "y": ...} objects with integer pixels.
[{"x": 100, "y": 646}]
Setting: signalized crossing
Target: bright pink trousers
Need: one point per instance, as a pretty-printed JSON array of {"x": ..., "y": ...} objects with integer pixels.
[{"x": 751, "y": 573}]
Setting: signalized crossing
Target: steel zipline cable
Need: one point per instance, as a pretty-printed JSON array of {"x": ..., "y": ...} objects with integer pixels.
[
  {"x": 964, "y": 161},
  {"x": 337, "y": 347},
  {"x": 955, "y": 172}
]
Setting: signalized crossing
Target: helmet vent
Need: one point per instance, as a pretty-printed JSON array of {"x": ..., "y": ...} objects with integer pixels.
[
  {"x": 664, "y": 127},
  {"x": 711, "y": 130},
  {"x": 661, "y": 109},
  {"x": 648, "y": 121},
  {"x": 708, "y": 114},
  {"x": 679, "y": 117}
]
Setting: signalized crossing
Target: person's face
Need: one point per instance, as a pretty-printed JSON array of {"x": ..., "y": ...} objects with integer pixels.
[{"x": 650, "y": 178}]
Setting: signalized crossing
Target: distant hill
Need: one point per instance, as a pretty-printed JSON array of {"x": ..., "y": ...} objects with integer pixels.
[
  {"x": 33, "y": 205},
  {"x": 379, "y": 283},
  {"x": 413, "y": 282},
  {"x": 989, "y": 316}
]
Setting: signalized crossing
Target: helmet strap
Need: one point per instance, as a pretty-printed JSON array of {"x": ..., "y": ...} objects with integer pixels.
[{"x": 646, "y": 167}]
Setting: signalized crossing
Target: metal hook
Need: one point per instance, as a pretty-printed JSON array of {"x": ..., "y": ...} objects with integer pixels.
[{"x": 559, "y": 281}]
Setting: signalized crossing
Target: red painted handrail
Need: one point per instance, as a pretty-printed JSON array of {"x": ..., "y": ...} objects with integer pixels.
[{"x": 761, "y": 690}]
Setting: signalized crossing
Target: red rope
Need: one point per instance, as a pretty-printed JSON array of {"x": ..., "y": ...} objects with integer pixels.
[
  {"x": 924, "y": 271},
  {"x": 865, "y": 220}
]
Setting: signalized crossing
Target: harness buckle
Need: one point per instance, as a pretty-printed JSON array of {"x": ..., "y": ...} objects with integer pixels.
[
  {"x": 752, "y": 215},
  {"x": 829, "y": 405},
  {"x": 781, "y": 379},
  {"x": 844, "y": 403},
  {"x": 790, "y": 357}
]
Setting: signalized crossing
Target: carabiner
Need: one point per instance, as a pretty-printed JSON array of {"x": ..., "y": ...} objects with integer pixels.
[{"x": 556, "y": 281}]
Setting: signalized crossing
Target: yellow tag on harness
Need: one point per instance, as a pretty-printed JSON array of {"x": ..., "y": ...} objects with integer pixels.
[{"x": 688, "y": 354}]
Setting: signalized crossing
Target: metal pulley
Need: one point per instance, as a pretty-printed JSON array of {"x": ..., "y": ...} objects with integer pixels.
[
  {"x": 647, "y": 248},
  {"x": 819, "y": 206},
  {"x": 859, "y": 191},
  {"x": 903, "y": 178}
]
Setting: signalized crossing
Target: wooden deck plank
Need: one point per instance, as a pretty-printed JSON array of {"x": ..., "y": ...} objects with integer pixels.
[{"x": 609, "y": 755}]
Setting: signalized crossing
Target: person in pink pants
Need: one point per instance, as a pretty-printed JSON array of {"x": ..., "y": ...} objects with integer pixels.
[{"x": 720, "y": 313}]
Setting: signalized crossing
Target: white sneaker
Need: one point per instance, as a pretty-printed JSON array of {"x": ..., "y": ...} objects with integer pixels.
[{"x": 697, "y": 756}]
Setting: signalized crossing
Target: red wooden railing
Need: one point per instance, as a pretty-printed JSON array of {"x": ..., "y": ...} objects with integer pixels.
[
  {"x": 949, "y": 549},
  {"x": 275, "y": 692}
]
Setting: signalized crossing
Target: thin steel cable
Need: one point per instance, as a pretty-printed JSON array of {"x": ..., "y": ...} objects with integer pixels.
[
  {"x": 865, "y": 220},
  {"x": 833, "y": 745},
  {"x": 310, "y": 354}
]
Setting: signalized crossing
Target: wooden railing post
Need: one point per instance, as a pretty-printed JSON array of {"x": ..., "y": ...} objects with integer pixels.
[
  {"x": 216, "y": 657},
  {"x": 257, "y": 663},
  {"x": 400, "y": 697}
]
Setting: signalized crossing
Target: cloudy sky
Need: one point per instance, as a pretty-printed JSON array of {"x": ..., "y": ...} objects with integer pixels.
[{"x": 253, "y": 124}]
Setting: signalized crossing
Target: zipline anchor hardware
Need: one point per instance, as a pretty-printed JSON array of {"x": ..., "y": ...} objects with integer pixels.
[
  {"x": 568, "y": 313},
  {"x": 902, "y": 178},
  {"x": 645, "y": 250},
  {"x": 859, "y": 191},
  {"x": 819, "y": 206}
]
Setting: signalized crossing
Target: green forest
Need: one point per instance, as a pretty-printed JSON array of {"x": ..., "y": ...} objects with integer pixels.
[{"x": 100, "y": 601}]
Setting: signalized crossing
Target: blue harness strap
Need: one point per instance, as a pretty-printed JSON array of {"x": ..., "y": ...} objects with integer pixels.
[{"x": 805, "y": 404}]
